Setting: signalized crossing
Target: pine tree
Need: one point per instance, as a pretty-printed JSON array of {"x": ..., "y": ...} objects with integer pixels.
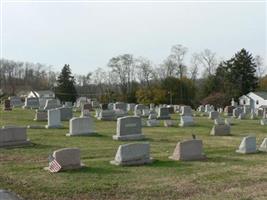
[{"x": 65, "y": 89}]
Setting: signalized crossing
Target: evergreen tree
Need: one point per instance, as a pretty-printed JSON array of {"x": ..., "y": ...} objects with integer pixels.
[
  {"x": 238, "y": 75},
  {"x": 65, "y": 89}
]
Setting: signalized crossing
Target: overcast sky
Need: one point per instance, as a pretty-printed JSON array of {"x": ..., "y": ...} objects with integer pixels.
[{"x": 87, "y": 35}]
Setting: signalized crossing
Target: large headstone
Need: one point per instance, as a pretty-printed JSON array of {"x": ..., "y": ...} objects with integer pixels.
[
  {"x": 32, "y": 103},
  {"x": 81, "y": 126},
  {"x": 186, "y": 121},
  {"x": 220, "y": 128},
  {"x": 65, "y": 113},
  {"x": 68, "y": 158},
  {"x": 129, "y": 128},
  {"x": 164, "y": 113},
  {"x": 188, "y": 150},
  {"x": 138, "y": 109},
  {"x": 13, "y": 136},
  {"x": 54, "y": 119},
  {"x": 132, "y": 154},
  {"x": 248, "y": 145},
  {"x": 213, "y": 115}
]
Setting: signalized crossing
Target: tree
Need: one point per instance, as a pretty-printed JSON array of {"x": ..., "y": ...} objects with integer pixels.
[
  {"x": 208, "y": 60},
  {"x": 65, "y": 89}
]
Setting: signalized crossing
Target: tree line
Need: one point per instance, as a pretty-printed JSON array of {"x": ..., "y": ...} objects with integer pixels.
[{"x": 206, "y": 79}]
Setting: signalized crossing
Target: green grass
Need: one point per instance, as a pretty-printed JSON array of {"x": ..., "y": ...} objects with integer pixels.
[{"x": 224, "y": 175}]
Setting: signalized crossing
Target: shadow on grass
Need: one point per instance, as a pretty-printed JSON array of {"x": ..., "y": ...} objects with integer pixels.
[
  {"x": 97, "y": 170},
  {"x": 170, "y": 163}
]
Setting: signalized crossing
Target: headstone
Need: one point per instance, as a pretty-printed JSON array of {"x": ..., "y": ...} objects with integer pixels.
[
  {"x": 233, "y": 103},
  {"x": 138, "y": 109},
  {"x": 8, "y": 195},
  {"x": 220, "y": 129},
  {"x": 133, "y": 154},
  {"x": 32, "y": 103},
  {"x": 65, "y": 113},
  {"x": 263, "y": 146},
  {"x": 228, "y": 110},
  {"x": 129, "y": 128},
  {"x": 106, "y": 115},
  {"x": 15, "y": 101},
  {"x": 68, "y": 158},
  {"x": 145, "y": 113},
  {"x": 7, "y": 105},
  {"x": 263, "y": 122},
  {"x": 13, "y": 136},
  {"x": 236, "y": 112},
  {"x": 228, "y": 121},
  {"x": 201, "y": 108},
  {"x": 95, "y": 104},
  {"x": 219, "y": 121},
  {"x": 110, "y": 106},
  {"x": 54, "y": 119},
  {"x": 120, "y": 106},
  {"x": 81, "y": 126},
  {"x": 51, "y": 104},
  {"x": 130, "y": 107},
  {"x": 68, "y": 104},
  {"x": 186, "y": 121},
  {"x": 152, "y": 122},
  {"x": 171, "y": 109},
  {"x": 188, "y": 150},
  {"x": 242, "y": 116},
  {"x": 119, "y": 113},
  {"x": 40, "y": 115},
  {"x": 208, "y": 108},
  {"x": 186, "y": 111},
  {"x": 213, "y": 115},
  {"x": 169, "y": 123},
  {"x": 259, "y": 112},
  {"x": 253, "y": 115},
  {"x": 152, "y": 116},
  {"x": 104, "y": 106},
  {"x": 163, "y": 113},
  {"x": 248, "y": 145}
]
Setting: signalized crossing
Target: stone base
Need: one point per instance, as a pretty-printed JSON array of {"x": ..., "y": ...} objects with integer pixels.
[
  {"x": 8, "y": 109},
  {"x": 129, "y": 137},
  {"x": 15, "y": 143},
  {"x": 36, "y": 126},
  {"x": 201, "y": 157},
  {"x": 56, "y": 126},
  {"x": 133, "y": 162},
  {"x": 81, "y": 134},
  {"x": 220, "y": 130},
  {"x": 262, "y": 149}
]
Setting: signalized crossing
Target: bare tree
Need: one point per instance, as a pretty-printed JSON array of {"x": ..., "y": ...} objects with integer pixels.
[
  {"x": 208, "y": 60},
  {"x": 144, "y": 70},
  {"x": 260, "y": 66},
  {"x": 195, "y": 63}
]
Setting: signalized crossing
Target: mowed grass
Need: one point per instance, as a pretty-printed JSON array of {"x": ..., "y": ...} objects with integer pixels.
[{"x": 224, "y": 175}]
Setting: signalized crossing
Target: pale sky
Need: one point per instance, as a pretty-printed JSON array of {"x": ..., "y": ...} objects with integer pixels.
[{"x": 87, "y": 35}]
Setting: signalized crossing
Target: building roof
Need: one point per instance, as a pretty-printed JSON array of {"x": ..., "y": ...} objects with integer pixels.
[{"x": 261, "y": 94}]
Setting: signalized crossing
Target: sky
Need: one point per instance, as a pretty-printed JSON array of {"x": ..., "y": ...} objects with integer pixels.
[{"x": 87, "y": 35}]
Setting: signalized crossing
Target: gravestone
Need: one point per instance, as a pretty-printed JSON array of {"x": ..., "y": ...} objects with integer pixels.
[
  {"x": 8, "y": 195},
  {"x": 213, "y": 115},
  {"x": 15, "y": 101},
  {"x": 110, "y": 106},
  {"x": 152, "y": 116},
  {"x": 65, "y": 113},
  {"x": 253, "y": 115},
  {"x": 130, "y": 107},
  {"x": 51, "y": 104},
  {"x": 54, "y": 119},
  {"x": 171, "y": 109},
  {"x": 31, "y": 103},
  {"x": 242, "y": 116},
  {"x": 68, "y": 158},
  {"x": 145, "y": 113},
  {"x": 133, "y": 154},
  {"x": 81, "y": 126},
  {"x": 248, "y": 145},
  {"x": 104, "y": 106},
  {"x": 263, "y": 122},
  {"x": 138, "y": 109},
  {"x": 129, "y": 128},
  {"x": 201, "y": 108},
  {"x": 188, "y": 150},
  {"x": 263, "y": 146},
  {"x": 13, "y": 136},
  {"x": 7, "y": 105},
  {"x": 186, "y": 111},
  {"x": 40, "y": 115},
  {"x": 169, "y": 123},
  {"x": 186, "y": 121},
  {"x": 236, "y": 112},
  {"x": 152, "y": 122},
  {"x": 120, "y": 106},
  {"x": 106, "y": 115},
  {"x": 163, "y": 113},
  {"x": 228, "y": 121},
  {"x": 220, "y": 128},
  {"x": 95, "y": 104},
  {"x": 68, "y": 104},
  {"x": 228, "y": 110}
]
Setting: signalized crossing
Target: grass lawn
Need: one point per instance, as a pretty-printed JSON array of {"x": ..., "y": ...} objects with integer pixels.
[{"x": 224, "y": 175}]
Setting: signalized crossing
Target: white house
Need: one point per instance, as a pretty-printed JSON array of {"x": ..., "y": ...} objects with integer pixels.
[
  {"x": 42, "y": 94},
  {"x": 254, "y": 99}
]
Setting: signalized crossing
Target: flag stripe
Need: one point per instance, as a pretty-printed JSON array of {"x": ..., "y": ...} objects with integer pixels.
[{"x": 54, "y": 166}]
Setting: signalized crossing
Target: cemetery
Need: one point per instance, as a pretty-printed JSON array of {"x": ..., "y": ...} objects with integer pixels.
[{"x": 98, "y": 163}]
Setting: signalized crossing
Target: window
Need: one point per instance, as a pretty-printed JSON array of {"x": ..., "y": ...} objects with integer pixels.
[
  {"x": 257, "y": 102},
  {"x": 244, "y": 102}
]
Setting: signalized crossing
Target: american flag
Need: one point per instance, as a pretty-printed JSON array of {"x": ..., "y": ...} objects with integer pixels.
[{"x": 54, "y": 166}]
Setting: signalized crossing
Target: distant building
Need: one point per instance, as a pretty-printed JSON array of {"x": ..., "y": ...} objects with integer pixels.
[
  {"x": 254, "y": 99},
  {"x": 42, "y": 94}
]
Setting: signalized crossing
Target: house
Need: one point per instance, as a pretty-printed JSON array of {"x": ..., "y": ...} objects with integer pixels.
[
  {"x": 42, "y": 94},
  {"x": 254, "y": 99}
]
